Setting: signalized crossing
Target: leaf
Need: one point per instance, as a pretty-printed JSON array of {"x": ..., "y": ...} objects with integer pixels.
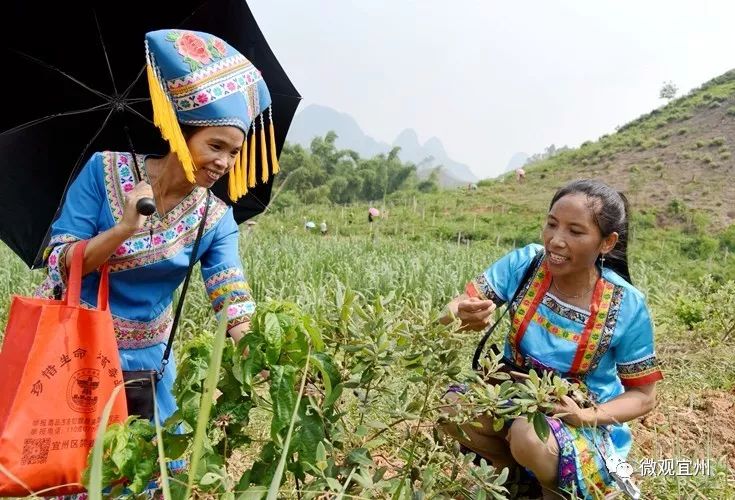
[
  {"x": 359, "y": 456},
  {"x": 309, "y": 434},
  {"x": 541, "y": 426},
  {"x": 273, "y": 335},
  {"x": 503, "y": 477},
  {"x": 498, "y": 424},
  {"x": 209, "y": 478},
  {"x": 334, "y": 484},
  {"x": 330, "y": 374},
  {"x": 333, "y": 396},
  {"x": 254, "y": 493},
  {"x": 283, "y": 397}
]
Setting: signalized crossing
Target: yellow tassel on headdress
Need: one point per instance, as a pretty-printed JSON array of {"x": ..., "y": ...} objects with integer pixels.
[
  {"x": 242, "y": 173},
  {"x": 233, "y": 181},
  {"x": 274, "y": 158},
  {"x": 164, "y": 117},
  {"x": 251, "y": 163},
  {"x": 264, "y": 174}
]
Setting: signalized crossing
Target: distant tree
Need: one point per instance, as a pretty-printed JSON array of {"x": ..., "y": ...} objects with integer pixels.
[{"x": 668, "y": 91}]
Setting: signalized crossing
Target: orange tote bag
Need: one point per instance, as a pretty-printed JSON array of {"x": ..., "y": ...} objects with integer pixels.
[{"x": 58, "y": 366}]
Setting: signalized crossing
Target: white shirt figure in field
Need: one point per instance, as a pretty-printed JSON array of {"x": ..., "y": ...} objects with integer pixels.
[{"x": 323, "y": 228}]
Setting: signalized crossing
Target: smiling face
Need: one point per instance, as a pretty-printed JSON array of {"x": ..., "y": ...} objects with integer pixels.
[
  {"x": 214, "y": 150},
  {"x": 571, "y": 236}
]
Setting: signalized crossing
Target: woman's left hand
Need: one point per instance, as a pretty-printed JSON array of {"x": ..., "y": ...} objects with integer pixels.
[{"x": 570, "y": 412}]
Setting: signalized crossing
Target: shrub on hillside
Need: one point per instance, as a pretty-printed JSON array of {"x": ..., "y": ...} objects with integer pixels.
[
  {"x": 700, "y": 247},
  {"x": 708, "y": 308},
  {"x": 727, "y": 238}
]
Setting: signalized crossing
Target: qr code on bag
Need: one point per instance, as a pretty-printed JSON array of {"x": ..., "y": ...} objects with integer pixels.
[{"x": 35, "y": 451}]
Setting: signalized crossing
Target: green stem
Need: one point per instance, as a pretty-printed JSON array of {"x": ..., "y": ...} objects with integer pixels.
[
  {"x": 414, "y": 439},
  {"x": 276, "y": 481}
]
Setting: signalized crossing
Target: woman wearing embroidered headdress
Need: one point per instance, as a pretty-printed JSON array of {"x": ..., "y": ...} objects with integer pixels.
[
  {"x": 579, "y": 316},
  {"x": 207, "y": 99}
]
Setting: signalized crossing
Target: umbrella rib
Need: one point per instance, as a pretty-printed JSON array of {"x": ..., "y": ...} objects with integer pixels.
[
  {"x": 136, "y": 112},
  {"x": 94, "y": 137},
  {"x": 74, "y": 171},
  {"x": 104, "y": 50},
  {"x": 132, "y": 84},
  {"x": 54, "y": 68},
  {"x": 51, "y": 117}
]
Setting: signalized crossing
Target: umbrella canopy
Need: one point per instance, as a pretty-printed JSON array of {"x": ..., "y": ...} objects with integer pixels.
[
  {"x": 373, "y": 211},
  {"x": 72, "y": 87}
]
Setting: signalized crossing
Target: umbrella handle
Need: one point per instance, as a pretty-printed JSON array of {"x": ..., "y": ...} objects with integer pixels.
[{"x": 145, "y": 206}]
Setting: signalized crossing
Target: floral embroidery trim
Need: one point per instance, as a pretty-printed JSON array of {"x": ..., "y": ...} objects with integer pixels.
[
  {"x": 58, "y": 240},
  {"x": 592, "y": 333},
  {"x": 56, "y": 273},
  {"x": 194, "y": 50},
  {"x": 557, "y": 331},
  {"x": 173, "y": 232},
  {"x": 557, "y": 306},
  {"x": 133, "y": 334},
  {"x": 191, "y": 81},
  {"x": 243, "y": 81},
  {"x": 483, "y": 289},
  {"x": 230, "y": 283},
  {"x": 609, "y": 330},
  {"x": 526, "y": 309},
  {"x": 640, "y": 372},
  {"x": 239, "y": 313},
  {"x": 577, "y": 459}
]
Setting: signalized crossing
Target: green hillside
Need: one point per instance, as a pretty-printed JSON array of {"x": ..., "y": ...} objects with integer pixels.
[{"x": 672, "y": 161}]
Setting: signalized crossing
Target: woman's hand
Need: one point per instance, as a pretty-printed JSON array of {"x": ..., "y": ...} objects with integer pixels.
[
  {"x": 131, "y": 219},
  {"x": 570, "y": 412},
  {"x": 474, "y": 313}
]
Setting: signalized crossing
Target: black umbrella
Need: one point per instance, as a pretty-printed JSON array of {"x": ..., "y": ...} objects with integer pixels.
[{"x": 73, "y": 79}]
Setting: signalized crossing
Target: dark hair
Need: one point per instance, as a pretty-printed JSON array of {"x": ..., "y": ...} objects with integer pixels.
[
  {"x": 188, "y": 130},
  {"x": 610, "y": 211}
]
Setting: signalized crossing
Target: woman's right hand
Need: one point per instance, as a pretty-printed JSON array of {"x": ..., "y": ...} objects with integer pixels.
[
  {"x": 131, "y": 219},
  {"x": 475, "y": 313}
]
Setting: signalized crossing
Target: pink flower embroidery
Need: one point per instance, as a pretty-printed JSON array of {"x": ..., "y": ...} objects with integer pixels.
[
  {"x": 202, "y": 98},
  {"x": 220, "y": 46},
  {"x": 231, "y": 311},
  {"x": 191, "y": 46},
  {"x": 124, "y": 160},
  {"x": 157, "y": 240},
  {"x": 52, "y": 260},
  {"x": 120, "y": 250},
  {"x": 127, "y": 187},
  {"x": 231, "y": 86}
]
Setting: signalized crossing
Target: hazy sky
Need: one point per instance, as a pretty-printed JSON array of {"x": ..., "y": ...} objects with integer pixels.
[{"x": 491, "y": 78}]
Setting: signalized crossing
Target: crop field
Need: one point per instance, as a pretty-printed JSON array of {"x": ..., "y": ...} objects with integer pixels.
[{"x": 357, "y": 364}]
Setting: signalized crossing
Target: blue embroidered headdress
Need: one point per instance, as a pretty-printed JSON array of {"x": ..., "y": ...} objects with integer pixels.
[{"x": 198, "y": 79}]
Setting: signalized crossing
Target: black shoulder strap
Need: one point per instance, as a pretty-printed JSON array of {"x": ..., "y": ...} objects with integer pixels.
[
  {"x": 180, "y": 304},
  {"x": 527, "y": 275}
]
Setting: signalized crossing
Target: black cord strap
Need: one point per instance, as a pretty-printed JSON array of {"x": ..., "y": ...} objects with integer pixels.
[
  {"x": 526, "y": 276},
  {"x": 180, "y": 304}
]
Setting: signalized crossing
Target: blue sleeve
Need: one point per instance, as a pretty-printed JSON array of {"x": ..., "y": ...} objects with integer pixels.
[
  {"x": 78, "y": 220},
  {"x": 634, "y": 353},
  {"x": 500, "y": 281},
  {"x": 223, "y": 275}
]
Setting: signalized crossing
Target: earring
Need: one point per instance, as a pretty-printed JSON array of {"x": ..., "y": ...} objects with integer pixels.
[{"x": 602, "y": 262}]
